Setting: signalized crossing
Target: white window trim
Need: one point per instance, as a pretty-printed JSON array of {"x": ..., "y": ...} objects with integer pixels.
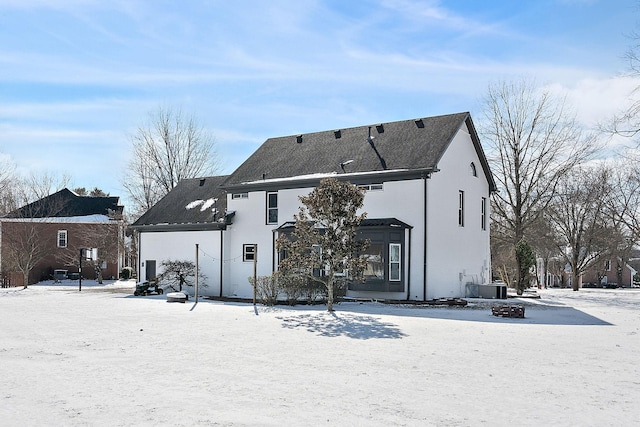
[
  {"x": 398, "y": 262},
  {"x": 269, "y": 208},
  {"x": 249, "y": 249},
  {"x": 66, "y": 238},
  {"x": 372, "y": 187},
  {"x": 236, "y": 196}
]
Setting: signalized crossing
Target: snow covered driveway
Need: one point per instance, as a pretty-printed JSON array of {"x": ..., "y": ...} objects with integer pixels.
[{"x": 109, "y": 358}]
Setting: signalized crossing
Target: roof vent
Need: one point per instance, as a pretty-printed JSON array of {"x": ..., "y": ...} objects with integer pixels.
[
  {"x": 419, "y": 123},
  {"x": 299, "y": 139},
  {"x": 380, "y": 128},
  {"x": 202, "y": 182},
  {"x": 337, "y": 133}
]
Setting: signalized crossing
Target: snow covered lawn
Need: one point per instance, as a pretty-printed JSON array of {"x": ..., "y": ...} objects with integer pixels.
[{"x": 105, "y": 357}]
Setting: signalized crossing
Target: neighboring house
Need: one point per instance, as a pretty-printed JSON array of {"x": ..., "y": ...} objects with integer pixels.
[
  {"x": 612, "y": 272},
  {"x": 54, "y": 230},
  {"x": 427, "y": 185},
  {"x": 192, "y": 213}
]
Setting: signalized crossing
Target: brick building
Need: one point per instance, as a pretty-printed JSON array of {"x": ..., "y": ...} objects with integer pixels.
[{"x": 50, "y": 234}]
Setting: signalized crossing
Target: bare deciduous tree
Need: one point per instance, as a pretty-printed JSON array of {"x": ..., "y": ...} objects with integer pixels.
[
  {"x": 179, "y": 273},
  {"x": 22, "y": 245},
  {"x": 578, "y": 214},
  {"x": 627, "y": 122},
  {"x": 19, "y": 191},
  {"x": 38, "y": 185},
  {"x": 625, "y": 197},
  {"x": 170, "y": 147},
  {"x": 107, "y": 238},
  {"x": 7, "y": 180},
  {"x": 532, "y": 142},
  {"x": 23, "y": 249}
]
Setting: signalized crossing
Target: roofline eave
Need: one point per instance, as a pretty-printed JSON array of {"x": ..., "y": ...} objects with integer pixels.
[
  {"x": 199, "y": 226},
  {"x": 305, "y": 181}
]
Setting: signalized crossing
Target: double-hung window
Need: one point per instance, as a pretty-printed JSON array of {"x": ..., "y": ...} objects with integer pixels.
[
  {"x": 394, "y": 262},
  {"x": 272, "y": 208},
  {"x": 62, "y": 239}
]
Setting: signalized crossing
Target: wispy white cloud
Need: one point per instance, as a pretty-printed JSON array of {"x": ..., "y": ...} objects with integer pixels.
[
  {"x": 595, "y": 100},
  {"x": 86, "y": 72}
]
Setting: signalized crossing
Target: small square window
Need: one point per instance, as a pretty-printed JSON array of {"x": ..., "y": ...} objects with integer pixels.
[{"x": 249, "y": 252}]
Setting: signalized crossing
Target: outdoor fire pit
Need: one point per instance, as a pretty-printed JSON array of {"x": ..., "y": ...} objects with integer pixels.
[{"x": 508, "y": 311}]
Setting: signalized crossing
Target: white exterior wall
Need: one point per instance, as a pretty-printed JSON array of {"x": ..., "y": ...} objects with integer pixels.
[
  {"x": 250, "y": 227},
  {"x": 457, "y": 255},
  {"x": 181, "y": 245}
]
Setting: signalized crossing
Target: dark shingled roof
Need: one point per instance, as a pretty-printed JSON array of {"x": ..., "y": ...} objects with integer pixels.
[
  {"x": 404, "y": 145},
  {"x": 66, "y": 203},
  {"x": 186, "y": 205}
]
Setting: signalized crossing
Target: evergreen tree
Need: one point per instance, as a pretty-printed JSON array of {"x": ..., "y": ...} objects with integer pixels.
[{"x": 323, "y": 247}]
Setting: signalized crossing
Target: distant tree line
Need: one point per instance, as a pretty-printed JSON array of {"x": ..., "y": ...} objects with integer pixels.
[{"x": 560, "y": 197}]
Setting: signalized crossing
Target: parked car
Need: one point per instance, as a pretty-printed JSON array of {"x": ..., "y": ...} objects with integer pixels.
[{"x": 59, "y": 275}]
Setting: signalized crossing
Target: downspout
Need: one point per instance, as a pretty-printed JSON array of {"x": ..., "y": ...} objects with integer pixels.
[
  {"x": 139, "y": 250},
  {"x": 273, "y": 251},
  {"x": 409, "y": 267},
  {"x": 221, "y": 257},
  {"x": 424, "y": 239}
]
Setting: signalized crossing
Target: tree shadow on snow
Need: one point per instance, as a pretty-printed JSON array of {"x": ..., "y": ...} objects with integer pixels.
[
  {"x": 350, "y": 325},
  {"x": 534, "y": 315}
]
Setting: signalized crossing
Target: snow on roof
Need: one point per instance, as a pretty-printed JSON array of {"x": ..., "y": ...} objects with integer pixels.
[
  {"x": 86, "y": 219},
  {"x": 317, "y": 176},
  {"x": 205, "y": 204}
]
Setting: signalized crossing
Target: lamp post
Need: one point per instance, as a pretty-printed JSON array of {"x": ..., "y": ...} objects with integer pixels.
[
  {"x": 80, "y": 271},
  {"x": 92, "y": 254}
]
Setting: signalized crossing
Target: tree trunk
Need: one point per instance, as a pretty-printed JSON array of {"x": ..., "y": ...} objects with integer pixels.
[
  {"x": 330, "y": 296},
  {"x": 98, "y": 271},
  {"x": 576, "y": 283}
]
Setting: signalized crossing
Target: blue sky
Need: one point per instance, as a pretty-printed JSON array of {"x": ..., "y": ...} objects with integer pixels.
[{"x": 78, "y": 76}]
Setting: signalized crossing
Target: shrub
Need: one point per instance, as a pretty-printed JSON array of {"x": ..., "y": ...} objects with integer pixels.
[
  {"x": 267, "y": 289},
  {"x": 126, "y": 273},
  {"x": 292, "y": 287}
]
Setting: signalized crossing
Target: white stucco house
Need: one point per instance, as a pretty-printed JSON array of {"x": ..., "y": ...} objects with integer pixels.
[{"x": 427, "y": 185}]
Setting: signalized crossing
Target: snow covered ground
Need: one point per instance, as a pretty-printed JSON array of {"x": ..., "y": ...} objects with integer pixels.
[{"x": 105, "y": 357}]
